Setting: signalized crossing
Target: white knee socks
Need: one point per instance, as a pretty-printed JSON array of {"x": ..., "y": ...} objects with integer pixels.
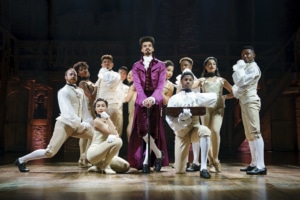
[
  {"x": 253, "y": 154},
  {"x": 259, "y": 146},
  {"x": 196, "y": 152},
  {"x": 37, "y": 154},
  {"x": 204, "y": 144},
  {"x": 153, "y": 147}
]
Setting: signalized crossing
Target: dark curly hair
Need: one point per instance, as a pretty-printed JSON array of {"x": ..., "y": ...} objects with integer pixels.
[{"x": 80, "y": 64}]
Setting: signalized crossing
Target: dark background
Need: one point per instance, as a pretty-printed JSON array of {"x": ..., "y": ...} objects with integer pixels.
[{"x": 192, "y": 28}]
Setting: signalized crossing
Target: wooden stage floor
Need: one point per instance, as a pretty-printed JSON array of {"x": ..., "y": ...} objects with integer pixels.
[{"x": 63, "y": 179}]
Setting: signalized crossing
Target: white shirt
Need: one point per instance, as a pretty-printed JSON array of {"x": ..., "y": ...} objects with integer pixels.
[
  {"x": 147, "y": 60},
  {"x": 245, "y": 78},
  {"x": 73, "y": 107},
  {"x": 108, "y": 84},
  {"x": 189, "y": 99}
]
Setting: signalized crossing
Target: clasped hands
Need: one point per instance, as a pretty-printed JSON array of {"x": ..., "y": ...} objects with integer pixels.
[
  {"x": 184, "y": 118},
  {"x": 148, "y": 102}
]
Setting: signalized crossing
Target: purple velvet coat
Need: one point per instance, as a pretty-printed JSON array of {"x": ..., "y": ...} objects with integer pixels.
[{"x": 137, "y": 146}]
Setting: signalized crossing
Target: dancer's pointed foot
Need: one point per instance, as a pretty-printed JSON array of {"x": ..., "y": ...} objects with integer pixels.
[
  {"x": 211, "y": 168},
  {"x": 217, "y": 166},
  {"x": 84, "y": 163},
  {"x": 94, "y": 169},
  {"x": 108, "y": 170}
]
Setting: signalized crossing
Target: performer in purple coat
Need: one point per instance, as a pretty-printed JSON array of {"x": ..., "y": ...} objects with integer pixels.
[{"x": 149, "y": 76}]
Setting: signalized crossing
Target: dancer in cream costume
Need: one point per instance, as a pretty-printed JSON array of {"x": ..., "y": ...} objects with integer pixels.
[
  {"x": 90, "y": 91},
  {"x": 106, "y": 143},
  {"x": 130, "y": 98},
  {"x": 187, "y": 63},
  {"x": 169, "y": 86},
  {"x": 186, "y": 127},
  {"x": 74, "y": 121},
  {"x": 246, "y": 76},
  {"x": 122, "y": 93},
  {"x": 211, "y": 81},
  {"x": 108, "y": 84}
]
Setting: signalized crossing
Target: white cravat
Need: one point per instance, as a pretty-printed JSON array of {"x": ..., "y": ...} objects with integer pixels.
[{"x": 147, "y": 60}]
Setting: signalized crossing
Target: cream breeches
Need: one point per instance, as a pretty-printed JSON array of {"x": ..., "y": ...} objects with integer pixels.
[
  {"x": 129, "y": 126},
  {"x": 213, "y": 120},
  {"x": 102, "y": 154},
  {"x": 182, "y": 145},
  {"x": 251, "y": 120},
  {"x": 61, "y": 133}
]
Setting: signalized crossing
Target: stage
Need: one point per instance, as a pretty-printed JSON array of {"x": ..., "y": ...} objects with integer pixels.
[{"x": 61, "y": 178}]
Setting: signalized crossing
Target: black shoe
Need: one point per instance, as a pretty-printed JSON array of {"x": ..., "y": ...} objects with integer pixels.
[
  {"x": 204, "y": 173},
  {"x": 257, "y": 171},
  {"x": 249, "y": 168},
  {"x": 158, "y": 162},
  {"x": 187, "y": 165},
  {"x": 21, "y": 166},
  {"x": 193, "y": 168},
  {"x": 146, "y": 169}
]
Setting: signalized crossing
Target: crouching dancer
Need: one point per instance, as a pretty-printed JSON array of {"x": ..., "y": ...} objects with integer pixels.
[
  {"x": 186, "y": 127},
  {"x": 74, "y": 121},
  {"x": 106, "y": 143}
]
